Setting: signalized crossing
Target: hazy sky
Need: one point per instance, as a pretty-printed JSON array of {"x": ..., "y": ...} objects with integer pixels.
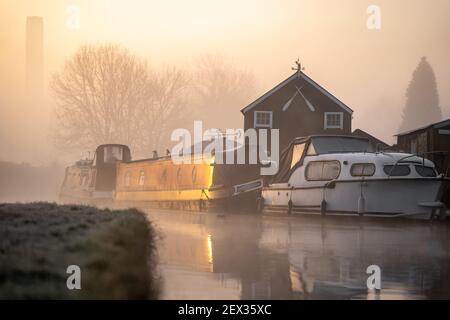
[{"x": 369, "y": 70}]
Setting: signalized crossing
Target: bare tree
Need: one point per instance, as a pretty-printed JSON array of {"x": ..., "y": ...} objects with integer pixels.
[
  {"x": 105, "y": 94},
  {"x": 168, "y": 105},
  {"x": 222, "y": 89}
]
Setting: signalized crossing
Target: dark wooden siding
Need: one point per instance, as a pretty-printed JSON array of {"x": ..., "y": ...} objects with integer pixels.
[{"x": 430, "y": 143}]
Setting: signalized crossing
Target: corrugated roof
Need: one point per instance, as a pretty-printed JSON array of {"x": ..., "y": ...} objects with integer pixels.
[{"x": 435, "y": 125}]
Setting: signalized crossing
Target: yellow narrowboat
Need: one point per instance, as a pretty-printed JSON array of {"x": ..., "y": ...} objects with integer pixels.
[{"x": 197, "y": 184}]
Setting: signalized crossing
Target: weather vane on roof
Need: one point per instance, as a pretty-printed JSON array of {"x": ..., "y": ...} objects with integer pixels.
[{"x": 298, "y": 67}]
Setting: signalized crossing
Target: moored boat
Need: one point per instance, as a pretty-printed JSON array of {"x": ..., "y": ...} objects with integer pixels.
[
  {"x": 198, "y": 184},
  {"x": 343, "y": 175},
  {"x": 92, "y": 181}
]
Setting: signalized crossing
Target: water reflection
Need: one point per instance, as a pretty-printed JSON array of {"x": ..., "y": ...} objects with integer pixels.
[{"x": 212, "y": 256}]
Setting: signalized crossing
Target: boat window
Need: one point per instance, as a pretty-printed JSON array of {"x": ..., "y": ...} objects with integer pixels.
[
  {"x": 85, "y": 179},
  {"x": 112, "y": 154},
  {"x": 428, "y": 172},
  {"x": 142, "y": 178},
  {"x": 194, "y": 174},
  {"x": 297, "y": 153},
  {"x": 92, "y": 181},
  {"x": 397, "y": 171},
  {"x": 362, "y": 170},
  {"x": 178, "y": 175},
  {"x": 127, "y": 179},
  {"x": 311, "y": 150},
  {"x": 322, "y": 170},
  {"x": 163, "y": 177}
]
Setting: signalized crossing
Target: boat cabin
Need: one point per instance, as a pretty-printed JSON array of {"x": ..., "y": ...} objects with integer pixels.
[
  {"x": 294, "y": 156},
  {"x": 91, "y": 179},
  {"x": 106, "y": 158}
]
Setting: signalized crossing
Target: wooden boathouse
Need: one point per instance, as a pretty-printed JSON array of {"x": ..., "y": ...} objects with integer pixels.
[
  {"x": 298, "y": 107},
  {"x": 432, "y": 142}
]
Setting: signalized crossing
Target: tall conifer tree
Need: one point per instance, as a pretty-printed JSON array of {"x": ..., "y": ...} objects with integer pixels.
[{"x": 422, "y": 98}]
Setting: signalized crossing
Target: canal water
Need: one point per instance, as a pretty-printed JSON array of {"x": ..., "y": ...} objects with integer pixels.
[{"x": 235, "y": 256}]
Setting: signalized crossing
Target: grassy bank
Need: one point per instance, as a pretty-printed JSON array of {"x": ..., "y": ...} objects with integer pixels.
[{"x": 38, "y": 241}]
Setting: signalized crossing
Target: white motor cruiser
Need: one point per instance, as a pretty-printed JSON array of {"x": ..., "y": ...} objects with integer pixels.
[{"x": 343, "y": 175}]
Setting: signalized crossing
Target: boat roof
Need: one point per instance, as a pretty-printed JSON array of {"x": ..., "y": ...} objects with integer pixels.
[
  {"x": 306, "y": 138},
  {"x": 111, "y": 145}
]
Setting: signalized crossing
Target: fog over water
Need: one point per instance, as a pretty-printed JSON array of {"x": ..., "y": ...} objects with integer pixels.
[
  {"x": 368, "y": 70},
  {"x": 232, "y": 256}
]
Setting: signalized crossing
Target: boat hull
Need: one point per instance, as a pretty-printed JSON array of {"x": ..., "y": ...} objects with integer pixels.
[
  {"x": 417, "y": 198},
  {"x": 220, "y": 199}
]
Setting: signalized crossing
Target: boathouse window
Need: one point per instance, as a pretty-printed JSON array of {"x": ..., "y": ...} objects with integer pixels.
[
  {"x": 322, "y": 170},
  {"x": 427, "y": 172},
  {"x": 362, "y": 170},
  {"x": 142, "y": 178},
  {"x": 263, "y": 119},
  {"x": 334, "y": 120},
  {"x": 127, "y": 179},
  {"x": 397, "y": 171}
]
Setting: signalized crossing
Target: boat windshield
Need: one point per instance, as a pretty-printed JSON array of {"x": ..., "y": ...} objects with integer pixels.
[{"x": 340, "y": 144}]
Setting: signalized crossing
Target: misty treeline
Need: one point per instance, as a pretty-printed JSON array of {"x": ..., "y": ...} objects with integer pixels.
[
  {"x": 24, "y": 182},
  {"x": 106, "y": 94},
  {"x": 422, "y": 99}
]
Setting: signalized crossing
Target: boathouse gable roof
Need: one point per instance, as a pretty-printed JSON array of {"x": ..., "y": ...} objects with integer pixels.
[{"x": 288, "y": 81}]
